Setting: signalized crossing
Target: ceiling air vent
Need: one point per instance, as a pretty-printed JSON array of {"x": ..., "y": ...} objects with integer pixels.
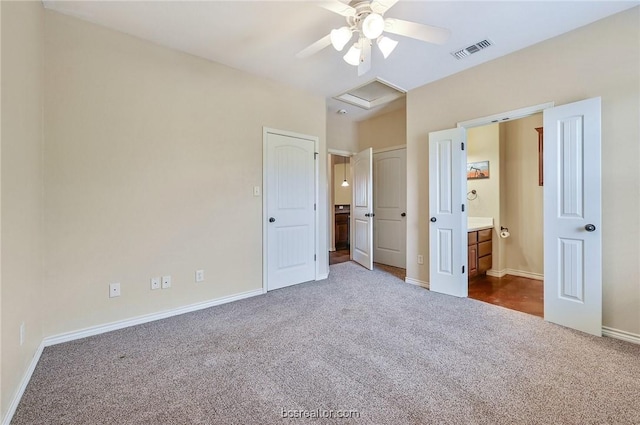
[{"x": 474, "y": 48}]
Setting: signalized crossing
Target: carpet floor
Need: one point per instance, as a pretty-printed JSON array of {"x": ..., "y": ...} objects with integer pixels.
[{"x": 361, "y": 343}]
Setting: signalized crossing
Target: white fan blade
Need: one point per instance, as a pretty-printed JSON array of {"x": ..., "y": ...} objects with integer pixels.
[
  {"x": 365, "y": 58},
  {"x": 338, "y": 7},
  {"x": 315, "y": 47},
  {"x": 381, "y": 6},
  {"x": 428, "y": 33}
]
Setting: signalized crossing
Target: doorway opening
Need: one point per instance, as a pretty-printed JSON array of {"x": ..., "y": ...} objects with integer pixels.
[
  {"x": 505, "y": 214},
  {"x": 340, "y": 195}
]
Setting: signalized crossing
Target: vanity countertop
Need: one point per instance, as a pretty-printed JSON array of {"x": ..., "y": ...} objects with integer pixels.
[{"x": 479, "y": 223}]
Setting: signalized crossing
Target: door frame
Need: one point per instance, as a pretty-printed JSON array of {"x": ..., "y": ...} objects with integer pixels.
[
  {"x": 316, "y": 141},
  {"x": 492, "y": 119}
]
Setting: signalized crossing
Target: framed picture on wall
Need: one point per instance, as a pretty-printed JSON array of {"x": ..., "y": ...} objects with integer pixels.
[{"x": 478, "y": 170}]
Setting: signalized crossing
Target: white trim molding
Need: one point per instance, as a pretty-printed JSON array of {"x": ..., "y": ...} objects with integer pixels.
[
  {"x": 623, "y": 335},
  {"x": 417, "y": 282},
  {"x": 506, "y": 116},
  {"x": 513, "y": 272},
  {"x": 120, "y": 324},
  {"x": 389, "y": 149},
  {"x": 323, "y": 276},
  {"x": 23, "y": 385}
]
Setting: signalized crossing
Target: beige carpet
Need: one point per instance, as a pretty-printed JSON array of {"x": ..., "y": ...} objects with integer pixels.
[{"x": 360, "y": 341}]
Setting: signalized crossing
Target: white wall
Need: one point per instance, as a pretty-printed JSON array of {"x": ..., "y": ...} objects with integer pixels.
[
  {"x": 151, "y": 157},
  {"x": 601, "y": 59},
  {"x": 21, "y": 191}
]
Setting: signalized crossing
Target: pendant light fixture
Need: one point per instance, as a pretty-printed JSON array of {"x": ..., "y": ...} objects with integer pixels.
[{"x": 345, "y": 183}]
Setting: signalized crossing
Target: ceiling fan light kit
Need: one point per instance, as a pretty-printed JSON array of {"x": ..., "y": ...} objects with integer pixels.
[
  {"x": 340, "y": 37},
  {"x": 386, "y": 45},
  {"x": 372, "y": 26},
  {"x": 367, "y": 19},
  {"x": 353, "y": 55}
]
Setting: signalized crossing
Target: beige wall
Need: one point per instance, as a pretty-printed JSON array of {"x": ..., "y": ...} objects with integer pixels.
[
  {"x": 483, "y": 144},
  {"x": 21, "y": 190},
  {"x": 342, "y": 195},
  {"x": 522, "y": 197},
  {"x": 383, "y": 131},
  {"x": 151, "y": 157},
  {"x": 342, "y": 133},
  {"x": 601, "y": 59}
]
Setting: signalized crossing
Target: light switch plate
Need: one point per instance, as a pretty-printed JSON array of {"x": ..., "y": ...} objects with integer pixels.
[
  {"x": 155, "y": 283},
  {"x": 166, "y": 282},
  {"x": 114, "y": 290}
]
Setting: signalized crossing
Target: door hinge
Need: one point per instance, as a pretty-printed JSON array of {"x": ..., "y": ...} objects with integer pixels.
[
  {"x": 462, "y": 269},
  {"x": 314, "y": 207},
  {"x": 462, "y": 207},
  {"x": 315, "y": 155},
  {"x": 462, "y": 144},
  {"x": 314, "y": 257}
]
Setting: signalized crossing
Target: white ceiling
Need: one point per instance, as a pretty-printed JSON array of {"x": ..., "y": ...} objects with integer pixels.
[{"x": 263, "y": 37}]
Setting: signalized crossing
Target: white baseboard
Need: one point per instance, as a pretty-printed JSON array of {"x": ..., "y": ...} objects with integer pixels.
[
  {"x": 618, "y": 334},
  {"x": 23, "y": 385},
  {"x": 513, "y": 272},
  {"x": 120, "y": 324},
  {"x": 323, "y": 276},
  {"x": 417, "y": 282}
]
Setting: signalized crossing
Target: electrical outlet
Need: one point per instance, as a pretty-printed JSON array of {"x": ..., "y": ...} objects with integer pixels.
[
  {"x": 199, "y": 275},
  {"x": 155, "y": 283},
  {"x": 420, "y": 259},
  {"x": 166, "y": 282},
  {"x": 114, "y": 290},
  {"x": 22, "y": 333},
  {"x": 256, "y": 190}
]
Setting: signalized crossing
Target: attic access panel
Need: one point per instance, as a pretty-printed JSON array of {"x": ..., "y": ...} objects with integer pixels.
[{"x": 370, "y": 95}]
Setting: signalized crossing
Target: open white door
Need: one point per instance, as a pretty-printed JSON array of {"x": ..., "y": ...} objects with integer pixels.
[
  {"x": 290, "y": 215},
  {"x": 448, "y": 227},
  {"x": 572, "y": 216},
  {"x": 389, "y": 207},
  {"x": 362, "y": 210}
]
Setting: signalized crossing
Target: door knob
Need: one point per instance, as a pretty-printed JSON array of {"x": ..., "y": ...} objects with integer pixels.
[
  {"x": 367, "y": 215},
  {"x": 271, "y": 219},
  {"x": 403, "y": 215},
  {"x": 433, "y": 219},
  {"x": 590, "y": 228}
]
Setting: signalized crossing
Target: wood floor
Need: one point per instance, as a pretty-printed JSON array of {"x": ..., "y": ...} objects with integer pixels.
[{"x": 515, "y": 293}]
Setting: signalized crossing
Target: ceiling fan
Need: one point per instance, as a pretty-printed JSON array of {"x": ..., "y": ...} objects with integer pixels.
[{"x": 366, "y": 19}]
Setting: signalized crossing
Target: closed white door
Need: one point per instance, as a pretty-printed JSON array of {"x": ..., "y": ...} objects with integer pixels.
[
  {"x": 389, "y": 207},
  {"x": 572, "y": 216},
  {"x": 290, "y": 215},
  {"x": 447, "y": 215},
  {"x": 362, "y": 210}
]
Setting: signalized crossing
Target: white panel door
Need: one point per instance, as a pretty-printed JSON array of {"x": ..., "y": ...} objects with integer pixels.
[
  {"x": 572, "y": 216},
  {"x": 362, "y": 210},
  {"x": 389, "y": 207},
  {"x": 448, "y": 221},
  {"x": 290, "y": 198}
]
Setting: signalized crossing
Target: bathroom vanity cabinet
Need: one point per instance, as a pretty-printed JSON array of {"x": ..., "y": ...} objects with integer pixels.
[{"x": 479, "y": 248}]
